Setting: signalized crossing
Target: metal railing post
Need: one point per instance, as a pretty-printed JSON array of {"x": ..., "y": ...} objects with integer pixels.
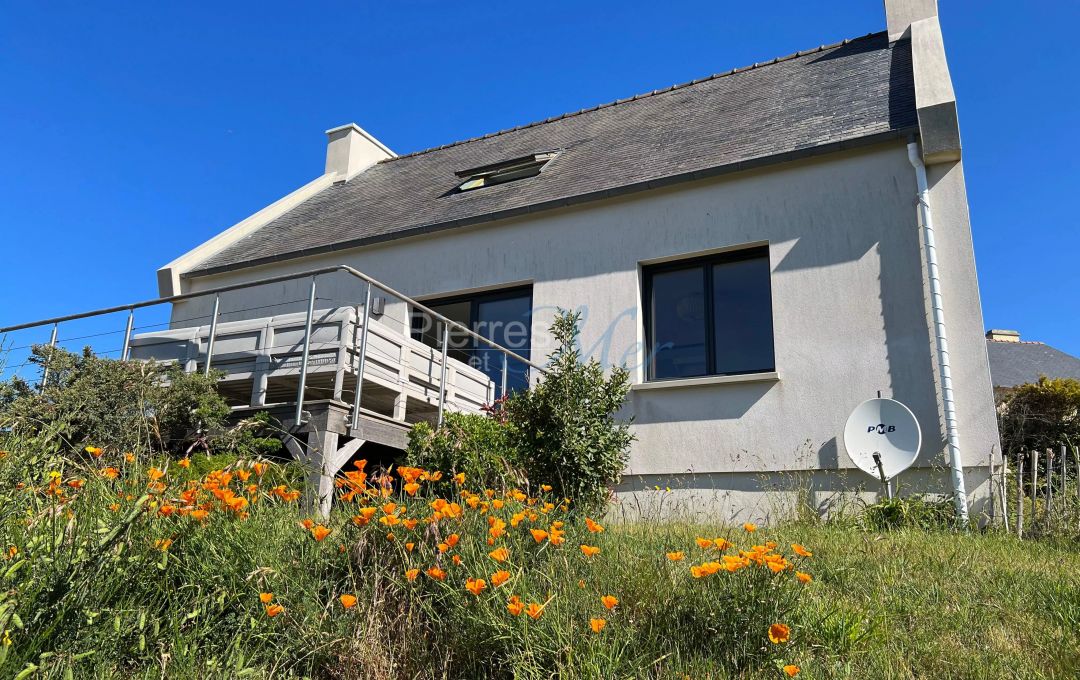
[
  {"x": 48, "y": 359},
  {"x": 213, "y": 334},
  {"x": 363, "y": 356},
  {"x": 442, "y": 372},
  {"x": 126, "y": 352},
  {"x": 304, "y": 360},
  {"x": 505, "y": 366}
]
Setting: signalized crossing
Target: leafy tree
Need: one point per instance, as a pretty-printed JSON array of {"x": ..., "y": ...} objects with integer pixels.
[{"x": 565, "y": 428}]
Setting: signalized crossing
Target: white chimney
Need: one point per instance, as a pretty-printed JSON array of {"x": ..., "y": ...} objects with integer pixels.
[
  {"x": 350, "y": 151},
  {"x": 901, "y": 14}
]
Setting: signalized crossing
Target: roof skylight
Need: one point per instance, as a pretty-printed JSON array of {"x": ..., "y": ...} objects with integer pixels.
[{"x": 506, "y": 171}]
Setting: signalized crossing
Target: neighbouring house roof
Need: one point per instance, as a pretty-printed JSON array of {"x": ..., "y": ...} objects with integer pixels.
[
  {"x": 1014, "y": 363},
  {"x": 851, "y": 93}
]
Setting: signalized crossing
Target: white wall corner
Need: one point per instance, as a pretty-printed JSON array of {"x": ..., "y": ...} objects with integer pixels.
[
  {"x": 901, "y": 14},
  {"x": 350, "y": 150},
  {"x": 935, "y": 101},
  {"x": 169, "y": 282}
]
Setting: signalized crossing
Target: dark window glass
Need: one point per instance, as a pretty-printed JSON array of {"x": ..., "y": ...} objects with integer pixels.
[
  {"x": 679, "y": 329},
  {"x": 710, "y": 316},
  {"x": 504, "y": 317}
]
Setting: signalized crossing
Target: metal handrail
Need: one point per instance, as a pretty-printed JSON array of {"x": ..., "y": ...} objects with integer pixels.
[
  {"x": 370, "y": 282},
  {"x": 277, "y": 279}
]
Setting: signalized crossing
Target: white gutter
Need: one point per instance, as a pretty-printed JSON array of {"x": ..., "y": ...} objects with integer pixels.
[{"x": 955, "y": 461}]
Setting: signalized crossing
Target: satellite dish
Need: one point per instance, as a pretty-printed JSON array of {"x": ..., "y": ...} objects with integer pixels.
[{"x": 882, "y": 438}]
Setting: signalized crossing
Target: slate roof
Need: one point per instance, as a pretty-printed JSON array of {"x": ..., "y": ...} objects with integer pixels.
[
  {"x": 1016, "y": 363},
  {"x": 851, "y": 93}
]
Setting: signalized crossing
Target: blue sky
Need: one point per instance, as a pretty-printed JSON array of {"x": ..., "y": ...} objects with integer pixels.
[{"x": 131, "y": 132}]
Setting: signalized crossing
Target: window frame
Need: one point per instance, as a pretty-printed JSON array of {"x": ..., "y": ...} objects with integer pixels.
[{"x": 705, "y": 263}]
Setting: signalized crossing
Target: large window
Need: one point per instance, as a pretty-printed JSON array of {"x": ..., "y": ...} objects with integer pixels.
[
  {"x": 709, "y": 316},
  {"x": 504, "y": 317}
]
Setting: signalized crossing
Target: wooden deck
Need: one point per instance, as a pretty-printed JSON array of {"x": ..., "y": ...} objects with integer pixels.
[{"x": 261, "y": 360}]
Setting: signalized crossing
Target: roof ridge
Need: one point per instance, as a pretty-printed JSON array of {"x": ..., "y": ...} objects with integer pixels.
[{"x": 677, "y": 86}]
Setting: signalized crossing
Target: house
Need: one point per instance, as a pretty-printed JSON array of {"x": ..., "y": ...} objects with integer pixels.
[
  {"x": 1015, "y": 362},
  {"x": 765, "y": 248}
]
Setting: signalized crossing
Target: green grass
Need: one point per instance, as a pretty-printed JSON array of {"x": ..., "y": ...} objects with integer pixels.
[{"x": 88, "y": 594}]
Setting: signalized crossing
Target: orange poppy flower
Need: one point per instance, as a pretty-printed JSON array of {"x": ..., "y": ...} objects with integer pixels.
[
  {"x": 556, "y": 536},
  {"x": 500, "y": 577},
  {"x": 389, "y": 520},
  {"x": 348, "y": 601},
  {"x": 409, "y": 547},
  {"x": 452, "y": 540},
  {"x": 389, "y": 508},
  {"x": 801, "y": 551},
  {"x": 703, "y": 543},
  {"x": 200, "y": 514},
  {"x": 184, "y": 463},
  {"x": 590, "y": 550},
  {"x": 266, "y": 598},
  {"x": 243, "y": 475},
  {"x": 459, "y": 478},
  {"x": 750, "y": 527},
  {"x": 597, "y": 625},
  {"x": 95, "y": 451},
  {"x": 791, "y": 670},
  {"x": 155, "y": 474},
  {"x": 534, "y": 610},
  {"x": 319, "y": 532},
  {"x": 475, "y": 585},
  {"x": 538, "y": 535},
  {"x": 803, "y": 577},
  {"x": 436, "y": 573},
  {"x": 722, "y": 544},
  {"x": 609, "y": 601},
  {"x": 166, "y": 510},
  {"x": 410, "y": 524},
  {"x": 260, "y": 468},
  {"x": 129, "y": 457},
  {"x": 545, "y": 487},
  {"x": 779, "y": 633},
  {"x": 498, "y": 528},
  {"x": 456, "y": 559},
  {"x": 411, "y": 488},
  {"x": 307, "y": 524},
  {"x": 442, "y": 547},
  {"x": 76, "y": 483},
  {"x": 499, "y": 554},
  {"x": 110, "y": 473},
  {"x": 514, "y": 605},
  {"x": 677, "y": 556},
  {"x": 114, "y": 506},
  {"x": 163, "y": 544},
  {"x": 593, "y": 526},
  {"x": 273, "y": 610},
  {"x": 411, "y": 574}
]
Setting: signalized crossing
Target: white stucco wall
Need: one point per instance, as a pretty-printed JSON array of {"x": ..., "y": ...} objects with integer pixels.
[{"x": 849, "y": 308}]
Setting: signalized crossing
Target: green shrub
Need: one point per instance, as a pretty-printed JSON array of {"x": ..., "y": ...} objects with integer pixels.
[
  {"x": 128, "y": 405},
  {"x": 565, "y": 428},
  {"x": 478, "y": 445},
  {"x": 913, "y": 512}
]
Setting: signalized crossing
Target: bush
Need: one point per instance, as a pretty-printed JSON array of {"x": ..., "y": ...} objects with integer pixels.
[
  {"x": 478, "y": 445},
  {"x": 913, "y": 512},
  {"x": 1040, "y": 415},
  {"x": 565, "y": 429},
  {"x": 132, "y": 405}
]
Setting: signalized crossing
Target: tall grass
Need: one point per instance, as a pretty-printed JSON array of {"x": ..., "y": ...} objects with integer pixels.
[{"x": 124, "y": 577}]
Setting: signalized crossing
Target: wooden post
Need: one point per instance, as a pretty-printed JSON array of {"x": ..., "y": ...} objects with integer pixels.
[
  {"x": 993, "y": 509},
  {"x": 1004, "y": 493},
  {"x": 1034, "y": 485},
  {"x": 1048, "y": 493},
  {"x": 1020, "y": 494}
]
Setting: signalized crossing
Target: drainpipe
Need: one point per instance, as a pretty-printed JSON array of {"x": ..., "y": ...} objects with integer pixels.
[{"x": 949, "y": 406}]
